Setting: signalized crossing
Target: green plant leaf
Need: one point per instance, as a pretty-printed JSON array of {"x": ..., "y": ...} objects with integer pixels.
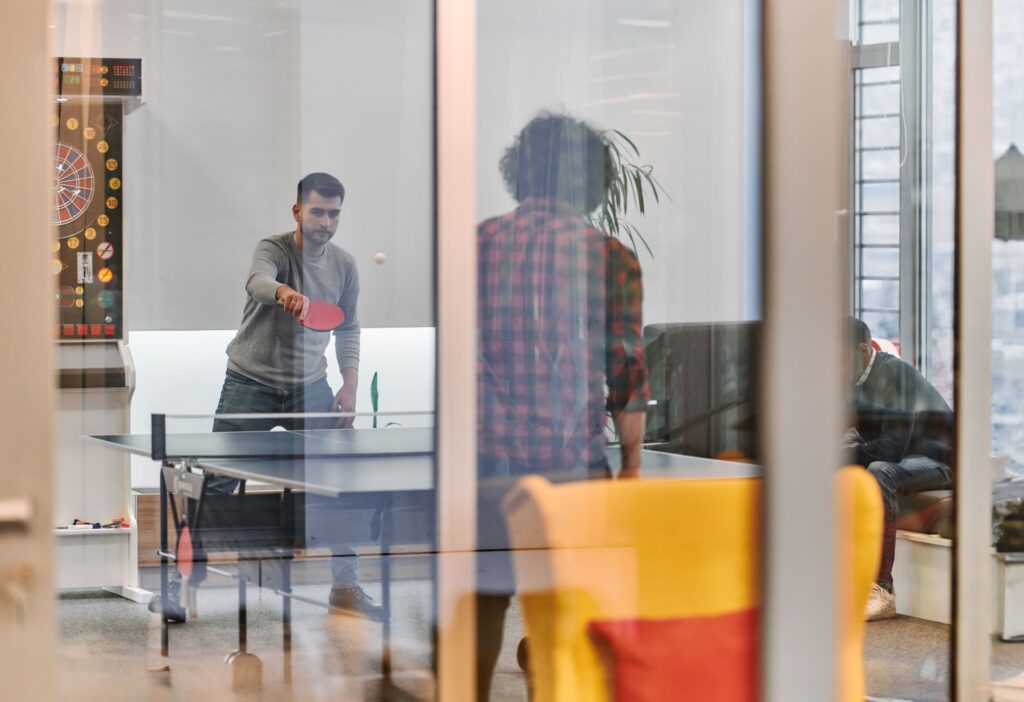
[
  {"x": 628, "y": 180},
  {"x": 374, "y": 398},
  {"x": 628, "y": 141}
]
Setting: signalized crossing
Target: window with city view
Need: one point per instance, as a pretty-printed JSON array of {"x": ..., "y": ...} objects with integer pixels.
[{"x": 1008, "y": 247}]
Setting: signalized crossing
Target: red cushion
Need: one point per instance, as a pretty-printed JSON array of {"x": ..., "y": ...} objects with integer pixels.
[{"x": 693, "y": 658}]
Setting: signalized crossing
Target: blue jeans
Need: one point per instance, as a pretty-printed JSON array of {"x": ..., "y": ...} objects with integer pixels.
[
  {"x": 242, "y": 395},
  {"x": 912, "y": 474}
]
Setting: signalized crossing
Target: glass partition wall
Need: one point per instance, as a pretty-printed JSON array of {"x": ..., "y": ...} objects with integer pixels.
[
  {"x": 1007, "y": 661},
  {"x": 646, "y": 338},
  {"x": 618, "y": 331},
  {"x": 223, "y": 170},
  {"x": 904, "y": 111}
]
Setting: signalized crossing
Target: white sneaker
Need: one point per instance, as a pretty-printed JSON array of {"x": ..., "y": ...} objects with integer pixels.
[{"x": 881, "y": 604}]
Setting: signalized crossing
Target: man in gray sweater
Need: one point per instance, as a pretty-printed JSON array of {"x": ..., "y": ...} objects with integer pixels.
[{"x": 278, "y": 366}]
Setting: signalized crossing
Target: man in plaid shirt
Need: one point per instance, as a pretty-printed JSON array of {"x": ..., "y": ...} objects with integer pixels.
[{"x": 560, "y": 320}]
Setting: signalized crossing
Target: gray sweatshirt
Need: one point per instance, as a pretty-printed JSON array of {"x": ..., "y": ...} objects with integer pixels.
[{"x": 271, "y": 346}]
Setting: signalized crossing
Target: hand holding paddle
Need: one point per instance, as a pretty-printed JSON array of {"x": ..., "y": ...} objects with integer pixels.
[
  {"x": 294, "y": 303},
  {"x": 318, "y": 315}
]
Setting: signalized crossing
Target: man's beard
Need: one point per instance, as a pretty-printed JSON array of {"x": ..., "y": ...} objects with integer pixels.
[{"x": 315, "y": 236}]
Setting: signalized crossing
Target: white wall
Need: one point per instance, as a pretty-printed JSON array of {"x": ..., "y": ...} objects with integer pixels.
[
  {"x": 670, "y": 76},
  {"x": 244, "y": 96},
  {"x": 182, "y": 373},
  {"x": 367, "y": 115}
]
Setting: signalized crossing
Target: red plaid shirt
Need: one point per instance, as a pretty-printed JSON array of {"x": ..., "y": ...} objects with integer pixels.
[{"x": 560, "y": 319}]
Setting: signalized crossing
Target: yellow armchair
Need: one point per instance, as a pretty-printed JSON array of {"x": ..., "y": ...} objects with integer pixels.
[{"x": 659, "y": 549}]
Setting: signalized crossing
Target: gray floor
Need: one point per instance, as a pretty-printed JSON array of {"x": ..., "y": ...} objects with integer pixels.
[
  {"x": 908, "y": 659},
  {"x": 109, "y": 649}
]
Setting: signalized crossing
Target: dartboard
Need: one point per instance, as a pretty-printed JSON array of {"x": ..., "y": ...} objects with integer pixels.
[{"x": 74, "y": 184}]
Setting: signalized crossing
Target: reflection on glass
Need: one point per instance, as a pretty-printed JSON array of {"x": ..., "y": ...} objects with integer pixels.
[
  {"x": 314, "y": 485},
  {"x": 902, "y": 355},
  {"x": 560, "y": 320},
  {"x": 1007, "y": 666},
  {"x": 277, "y": 362},
  {"x": 902, "y": 433},
  {"x": 617, "y": 338}
]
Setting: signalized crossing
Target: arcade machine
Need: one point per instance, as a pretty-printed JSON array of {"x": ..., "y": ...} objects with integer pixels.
[{"x": 97, "y": 535}]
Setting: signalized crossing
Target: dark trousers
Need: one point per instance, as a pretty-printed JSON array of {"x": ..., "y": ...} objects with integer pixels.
[
  {"x": 912, "y": 474},
  {"x": 242, "y": 395}
]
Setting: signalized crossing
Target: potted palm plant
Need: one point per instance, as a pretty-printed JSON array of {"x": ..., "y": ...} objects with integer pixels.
[{"x": 629, "y": 185}]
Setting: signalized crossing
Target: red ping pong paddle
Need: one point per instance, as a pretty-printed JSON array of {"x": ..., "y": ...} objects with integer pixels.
[
  {"x": 322, "y": 315},
  {"x": 184, "y": 552}
]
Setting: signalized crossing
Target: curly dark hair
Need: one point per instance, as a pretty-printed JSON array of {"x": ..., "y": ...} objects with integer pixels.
[{"x": 559, "y": 157}]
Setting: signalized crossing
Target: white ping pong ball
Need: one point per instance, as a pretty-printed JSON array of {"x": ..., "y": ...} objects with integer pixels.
[{"x": 379, "y": 257}]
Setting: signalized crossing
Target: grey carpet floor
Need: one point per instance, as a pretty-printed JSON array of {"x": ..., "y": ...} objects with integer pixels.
[
  {"x": 907, "y": 660},
  {"x": 109, "y": 649}
]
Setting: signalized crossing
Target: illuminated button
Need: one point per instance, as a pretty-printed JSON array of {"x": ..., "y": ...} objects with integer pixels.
[
  {"x": 72, "y": 123},
  {"x": 104, "y": 69},
  {"x": 102, "y": 146},
  {"x": 105, "y": 275},
  {"x": 111, "y": 164},
  {"x": 104, "y": 82},
  {"x": 105, "y": 299},
  {"x": 111, "y": 203},
  {"x": 95, "y": 329},
  {"x": 108, "y": 330},
  {"x": 73, "y": 242},
  {"x": 54, "y": 120},
  {"x": 103, "y": 220},
  {"x": 79, "y": 290},
  {"x": 79, "y": 303},
  {"x": 89, "y": 132},
  {"x": 69, "y": 330},
  {"x": 56, "y": 266},
  {"x": 90, "y": 233},
  {"x": 55, "y": 246},
  {"x": 105, "y": 250},
  {"x": 82, "y": 329},
  {"x": 115, "y": 183}
]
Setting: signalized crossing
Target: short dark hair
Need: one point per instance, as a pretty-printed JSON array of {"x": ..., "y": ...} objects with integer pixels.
[
  {"x": 560, "y": 157},
  {"x": 323, "y": 183},
  {"x": 857, "y": 332}
]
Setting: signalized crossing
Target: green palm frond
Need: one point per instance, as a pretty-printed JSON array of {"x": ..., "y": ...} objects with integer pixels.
[{"x": 627, "y": 181}]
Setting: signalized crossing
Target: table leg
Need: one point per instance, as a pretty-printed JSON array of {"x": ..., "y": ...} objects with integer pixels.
[
  {"x": 243, "y": 632},
  {"x": 164, "y": 627},
  {"x": 386, "y": 534},
  {"x": 246, "y": 669},
  {"x": 434, "y": 556},
  {"x": 286, "y": 615}
]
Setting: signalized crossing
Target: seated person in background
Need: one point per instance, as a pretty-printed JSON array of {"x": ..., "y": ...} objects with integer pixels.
[
  {"x": 902, "y": 434},
  {"x": 277, "y": 366}
]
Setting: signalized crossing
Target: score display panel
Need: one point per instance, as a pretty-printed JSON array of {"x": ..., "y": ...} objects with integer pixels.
[{"x": 88, "y": 197}]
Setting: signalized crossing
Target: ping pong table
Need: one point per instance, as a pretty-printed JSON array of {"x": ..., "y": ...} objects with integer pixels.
[
  {"x": 387, "y": 470},
  {"x": 380, "y": 469}
]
